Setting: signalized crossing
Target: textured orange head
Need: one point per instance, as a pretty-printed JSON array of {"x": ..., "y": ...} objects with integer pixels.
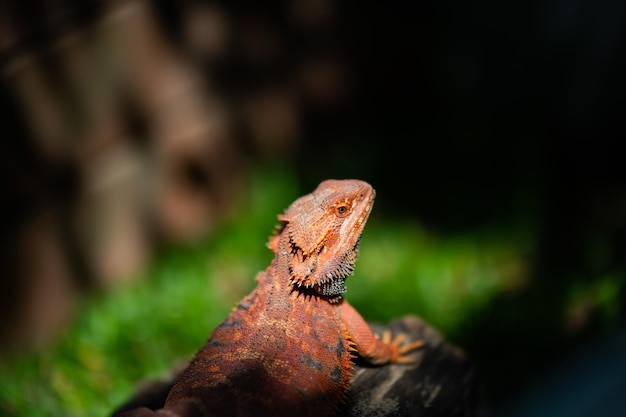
[{"x": 324, "y": 229}]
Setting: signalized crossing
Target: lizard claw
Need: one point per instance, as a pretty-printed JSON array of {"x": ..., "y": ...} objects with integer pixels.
[{"x": 398, "y": 351}]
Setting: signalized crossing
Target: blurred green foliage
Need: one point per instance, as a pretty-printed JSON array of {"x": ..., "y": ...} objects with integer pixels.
[{"x": 140, "y": 330}]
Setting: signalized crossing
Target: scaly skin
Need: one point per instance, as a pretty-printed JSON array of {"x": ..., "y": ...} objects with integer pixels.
[{"x": 287, "y": 348}]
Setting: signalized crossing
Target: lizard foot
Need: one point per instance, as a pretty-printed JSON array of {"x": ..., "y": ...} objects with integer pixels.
[{"x": 399, "y": 352}]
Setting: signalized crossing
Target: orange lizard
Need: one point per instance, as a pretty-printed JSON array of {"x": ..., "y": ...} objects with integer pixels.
[{"x": 287, "y": 349}]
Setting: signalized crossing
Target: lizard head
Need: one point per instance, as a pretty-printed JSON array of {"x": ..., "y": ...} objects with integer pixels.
[{"x": 322, "y": 232}]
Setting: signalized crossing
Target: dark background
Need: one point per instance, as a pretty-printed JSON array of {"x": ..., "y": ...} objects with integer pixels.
[{"x": 470, "y": 116}]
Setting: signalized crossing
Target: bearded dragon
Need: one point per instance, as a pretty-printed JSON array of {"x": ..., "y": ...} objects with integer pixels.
[{"x": 287, "y": 349}]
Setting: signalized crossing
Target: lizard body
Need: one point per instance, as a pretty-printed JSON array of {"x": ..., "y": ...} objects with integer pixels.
[{"x": 288, "y": 347}]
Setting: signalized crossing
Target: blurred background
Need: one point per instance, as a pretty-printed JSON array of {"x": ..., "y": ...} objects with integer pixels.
[{"x": 147, "y": 148}]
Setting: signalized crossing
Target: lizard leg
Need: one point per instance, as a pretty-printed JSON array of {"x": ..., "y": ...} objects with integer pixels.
[
  {"x": 374, "y": 350},
  {"x": 400, "y": 348}
]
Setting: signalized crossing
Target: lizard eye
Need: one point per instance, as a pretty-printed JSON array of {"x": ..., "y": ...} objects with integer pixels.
[{"x": 342, "y": 210}]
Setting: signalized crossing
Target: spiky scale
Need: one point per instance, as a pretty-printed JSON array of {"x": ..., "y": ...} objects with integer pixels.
[{"x": 288, "y": 347}]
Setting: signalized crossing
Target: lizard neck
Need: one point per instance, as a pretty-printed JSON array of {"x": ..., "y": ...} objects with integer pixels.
[{"x": 281, "y": 276}]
